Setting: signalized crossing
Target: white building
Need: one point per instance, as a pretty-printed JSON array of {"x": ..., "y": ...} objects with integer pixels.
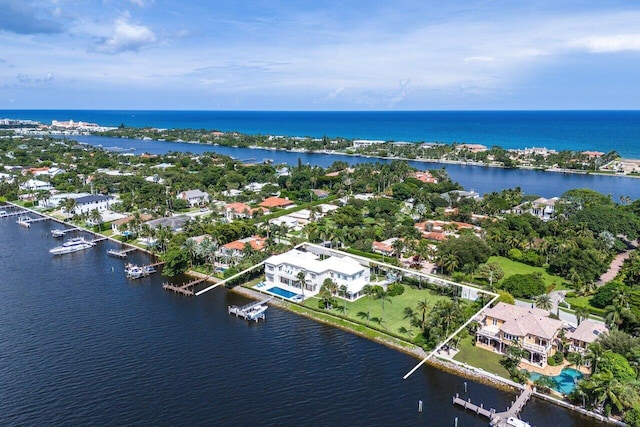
[
  {"x": 282, "y": 270},
  {"x": 57, "y": 199},
  {"x": 36, "y": 185},
  {"x": 194, "y": 197},
  {"x": 359, "y": 143},
  {"x": 541, "y": 207},
  {"x": 88, "y": 203}
]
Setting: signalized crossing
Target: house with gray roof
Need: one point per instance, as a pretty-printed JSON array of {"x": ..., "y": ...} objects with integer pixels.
[{"x": 586, "y": 333}]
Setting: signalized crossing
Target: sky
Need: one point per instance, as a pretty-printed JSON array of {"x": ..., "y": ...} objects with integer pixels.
[{"x": 319, "y": 54}]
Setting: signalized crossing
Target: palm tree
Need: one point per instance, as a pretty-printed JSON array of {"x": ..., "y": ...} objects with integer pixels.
[
  {"x": 301, "y": 276},
  {"x": 423, "y": 307},
  {"x": 544, "y": 302},
  {"x": 408, "y": 332},
  {"x": 581, "y": 313},
  {"x": 191, "y": 246},
  {"x": 594, "y": 355},
  {"x": 96, "y": 218},
  {"x": 69, "y": 205},
  {"x": 576, "y": 358},
  {"x": 364, "y": 316},
  {"x": 383, "y": 296}
]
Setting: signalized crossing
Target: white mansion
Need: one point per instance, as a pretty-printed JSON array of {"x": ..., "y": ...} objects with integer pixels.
[{"x": 283, "y": 269}]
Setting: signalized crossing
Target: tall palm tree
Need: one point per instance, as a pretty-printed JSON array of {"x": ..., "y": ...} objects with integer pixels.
[
  {"x": 69, "y": 205},
  {"x": 581, "y": 313},
  {"x": 96, "y": 217},
  {"x": 594, "y": 355},
  {"x": 544, "y": 302},
  {"x": 384, "y": 296},
  {"x": 423, "y": 307},
  {"x": 191, "y": 246}
]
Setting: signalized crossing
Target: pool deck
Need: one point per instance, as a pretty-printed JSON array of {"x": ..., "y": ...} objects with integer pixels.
[{"x": 552, "y": 371}]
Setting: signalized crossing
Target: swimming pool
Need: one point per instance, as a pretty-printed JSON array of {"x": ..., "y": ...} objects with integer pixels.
[
  {"x": 282, "y": 292},
  {"x": 565, "y": 382}
]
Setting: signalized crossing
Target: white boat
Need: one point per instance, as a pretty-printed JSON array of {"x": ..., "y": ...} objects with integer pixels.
[
  {"x": 57, "y": 232},
  {"x": 72, "y": 245},
  {"x": 24, "y": 221},
  {"x": 515, "y": 422},
  {"x": 256, "y": 311},
  {"x": 135, "y": 272}
]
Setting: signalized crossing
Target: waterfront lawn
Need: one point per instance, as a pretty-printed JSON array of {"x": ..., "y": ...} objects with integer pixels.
[
  {"x": 480, "y": 358},
  {"x": 392, "y": 317},
  {"x": 513, "y": 267}
]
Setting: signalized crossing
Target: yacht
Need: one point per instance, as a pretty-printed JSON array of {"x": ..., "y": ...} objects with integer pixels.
[
  {"x": 72, "y": 245},
  {"x": 133, "y": 271}
]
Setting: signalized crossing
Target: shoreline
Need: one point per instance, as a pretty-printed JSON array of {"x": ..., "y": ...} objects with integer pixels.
[
  {"x": 444, "y": 364},
  {"x": 407, "y": 159},
  {"x": 450, "y": 366}
]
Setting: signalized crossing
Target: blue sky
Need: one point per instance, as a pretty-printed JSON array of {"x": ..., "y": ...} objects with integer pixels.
[{"x": 319, "y": 55}]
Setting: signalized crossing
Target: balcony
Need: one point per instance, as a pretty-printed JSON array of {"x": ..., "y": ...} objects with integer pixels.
[
  {"x": 489, "y": 332},
  {"x": 536, "y": 348}
]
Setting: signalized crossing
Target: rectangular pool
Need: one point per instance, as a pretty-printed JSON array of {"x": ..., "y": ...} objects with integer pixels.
[{"x": 282, "y": 292}]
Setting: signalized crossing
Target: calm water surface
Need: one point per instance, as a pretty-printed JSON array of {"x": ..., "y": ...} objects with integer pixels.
[
  {"x": 481, "y": 179},
  {"x": 81, "y": 345}
]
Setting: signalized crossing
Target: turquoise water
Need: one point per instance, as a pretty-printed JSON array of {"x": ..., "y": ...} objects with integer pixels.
[
  {"x": 565, "y": 382},
  {"x": 282, "y": 292},
  {"x": 560, "y": 130}
]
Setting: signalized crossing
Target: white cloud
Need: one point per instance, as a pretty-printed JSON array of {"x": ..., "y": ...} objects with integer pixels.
[
  {"x": 609, "y": 44},
  {"x": 479, "y": 59},
  {"x": 125, "y": 37}
]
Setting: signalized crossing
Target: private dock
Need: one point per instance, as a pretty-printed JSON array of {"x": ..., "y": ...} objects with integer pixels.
[
  {"x": 60, "y": 232},
  {"x": 5, "y": 214},
  {"x": 120, "y": 254},
  {"x": 184, "y": 289},
  {"x": 253, "y": 311},
  {"x": 498, "y": 419}
]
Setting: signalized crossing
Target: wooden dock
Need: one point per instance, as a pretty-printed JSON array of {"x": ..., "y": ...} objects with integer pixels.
[
  {"x": 15, "y": 213},
  {"x": 184, "y": 289},
  {"x": 497, "y": 419}
]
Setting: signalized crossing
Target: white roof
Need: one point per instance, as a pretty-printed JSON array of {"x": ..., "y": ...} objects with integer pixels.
[{"x": 312, "y": 263}]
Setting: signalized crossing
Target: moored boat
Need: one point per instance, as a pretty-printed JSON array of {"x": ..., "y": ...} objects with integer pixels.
[
  {"x": 57, "y": 232},
  {"x": 72, "y": 245}
]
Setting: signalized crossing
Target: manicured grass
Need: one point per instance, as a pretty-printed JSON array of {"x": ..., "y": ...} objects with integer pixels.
[
  {"x": 513, "y": 267},
  {"x": 480, "y": 358},
  {"x": 392, "y": 317}
]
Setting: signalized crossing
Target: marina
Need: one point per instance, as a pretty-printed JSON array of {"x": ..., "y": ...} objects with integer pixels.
[{"x": 252, "y": 311}]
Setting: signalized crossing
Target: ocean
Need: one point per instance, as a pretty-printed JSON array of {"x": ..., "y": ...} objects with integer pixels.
[
  {"x": 560, "y": 130},
  {"x": 81, "y": 345}
]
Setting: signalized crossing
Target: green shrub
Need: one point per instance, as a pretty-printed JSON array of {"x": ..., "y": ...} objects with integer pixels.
[
  {"x": 395, "y": 289},
  {"x": 524, "y": 285}
]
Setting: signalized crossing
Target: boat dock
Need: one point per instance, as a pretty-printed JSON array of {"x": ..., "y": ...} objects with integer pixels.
[
  {"x": 100, "y": 239},
  {"x": 6, "y": 214},
  {"x": 120, "y": 254},
  {"x": 497, "y": 419},
  {"x": 253, "y": 311},
  {"x": 184, "y": 289},
  {"x": 59, "y": 232}
]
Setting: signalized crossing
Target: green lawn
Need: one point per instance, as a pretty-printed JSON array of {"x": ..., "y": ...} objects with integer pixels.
[
  {"x": 392, "y": 317},
  {"x": 480, "y": 358},
  {"x": 513, "y": 267}
]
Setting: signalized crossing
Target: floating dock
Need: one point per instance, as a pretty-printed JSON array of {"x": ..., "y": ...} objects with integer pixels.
[
  {"x": 253, "y": 311},
  {"x": 498, "y": 419}
]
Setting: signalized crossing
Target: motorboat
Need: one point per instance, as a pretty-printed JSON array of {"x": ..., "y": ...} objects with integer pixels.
[
  {"x": 515, "y": 422},
  {"x": 136, "y": 272},
  {"x": 56, "y": 232},
  {"x": 72, "y": 245},
  {"x": 256, "y": 311}
]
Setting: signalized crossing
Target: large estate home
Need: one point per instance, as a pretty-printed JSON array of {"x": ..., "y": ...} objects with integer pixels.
[
  {"x": 504, "y": 325},
  {"x": 283, "y": 270},
  {"x": 540, "y": 207},
  {"x": 88, "y": 203}
]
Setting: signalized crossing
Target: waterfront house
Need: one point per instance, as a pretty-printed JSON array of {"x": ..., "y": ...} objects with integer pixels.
[
  {"x": 194, "y": 197},
  {"x": 118, "y": 226},
  {"x": 175, "y": 223},
  {"x": 586, "y": 333},
  {"x": 505, "y": 325},
  {"x": 282, "y": 270},
  {"x": 232, "y": 252},
  {"x": 385, "y": 247},
  {"x": 86, "y": 204}
]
